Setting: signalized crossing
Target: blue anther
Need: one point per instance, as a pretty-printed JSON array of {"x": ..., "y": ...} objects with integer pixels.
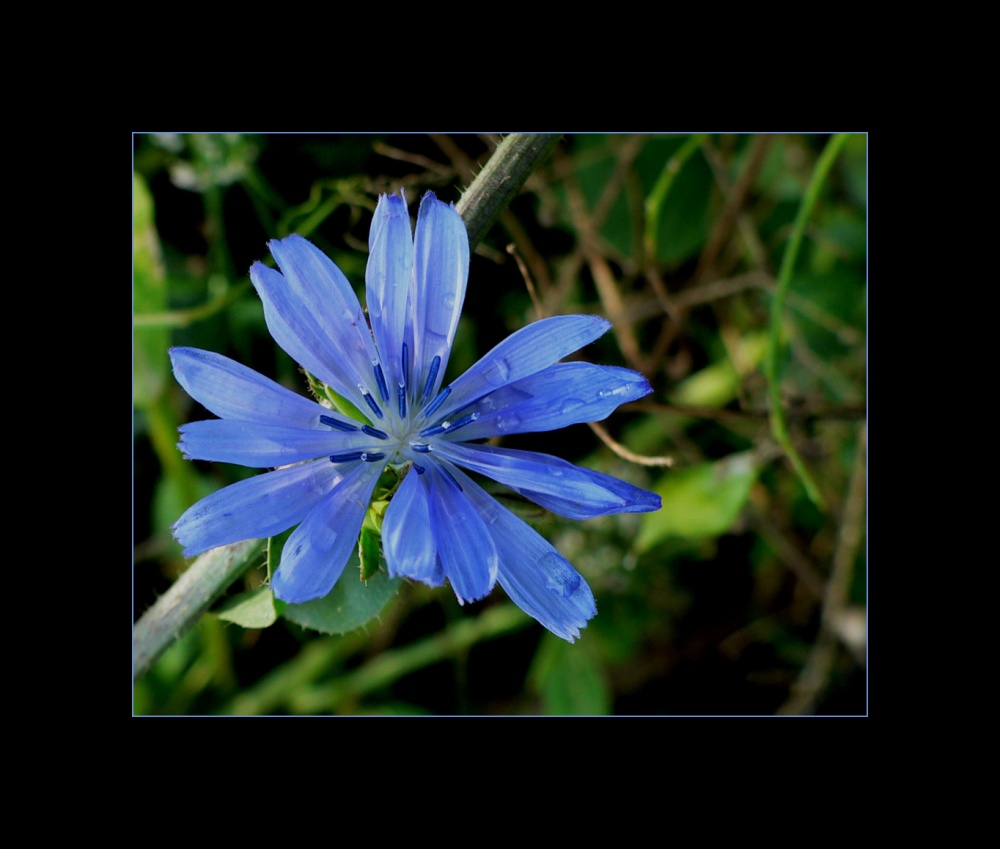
[
  {"x": 432, "y": 376},
  {"x": 374, "y": 431},
  {"x": 347, "y": 427},
  {"x": 347, "y": 456},
  {"x": 437, "y": 402},
  {"x": 420, "y": 448},
  {"x": 449, "y": 426},
  {"x": 371, "y": 403},
  {"x": 401, "y": 397},
  {"x": 419, "y": 469},
  {"x": 406, "y": 365},
  {"x": 380, "y": 379},
  {"x": 372, "y": 456}
]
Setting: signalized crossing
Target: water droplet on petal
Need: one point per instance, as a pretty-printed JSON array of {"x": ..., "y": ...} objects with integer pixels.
[
  {"x": 498, "y": 372},
  {"x": 449, "y": 301},
  {"x": 559, "y": 575},
  {"x": 506, "y": 421},
  {"x": 570, "y": 404}
]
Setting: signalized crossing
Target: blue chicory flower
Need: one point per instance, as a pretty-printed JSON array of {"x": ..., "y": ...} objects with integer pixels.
[{"x": 439, "y": 524}]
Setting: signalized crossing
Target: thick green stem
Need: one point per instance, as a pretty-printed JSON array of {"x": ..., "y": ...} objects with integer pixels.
[
  {"x": 501, "y": 179},
  {"x": 191, "y": 595},
  {"x": 210, "y": 574},
  {"x": 778, "y": 426}
]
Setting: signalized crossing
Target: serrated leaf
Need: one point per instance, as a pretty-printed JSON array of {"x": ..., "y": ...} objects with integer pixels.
[
  {"x": 351, "y": 604},
  {"x": 255, "y": 609},
  {"x": 700, "y": 501}
]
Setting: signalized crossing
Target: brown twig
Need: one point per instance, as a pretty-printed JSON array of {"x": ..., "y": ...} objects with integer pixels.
[
  {"x": 539, "y": 309},
  {"x": 624, "y": 453}
]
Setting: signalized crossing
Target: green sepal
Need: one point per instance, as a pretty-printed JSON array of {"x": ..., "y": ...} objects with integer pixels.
[
  {"x": 369, "y": 549},
  {"x": 337, "y": 402},
  {"x": 370, "y": 540}
]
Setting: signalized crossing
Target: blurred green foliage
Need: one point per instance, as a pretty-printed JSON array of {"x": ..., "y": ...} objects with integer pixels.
[{"x": 740, "y": 596}]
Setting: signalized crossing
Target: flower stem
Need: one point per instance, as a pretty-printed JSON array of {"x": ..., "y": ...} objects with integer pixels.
[
  {"x": 191, "y": 594},
  {"x": 501, "y": 178},
  {"x": 778, "y": 427}
]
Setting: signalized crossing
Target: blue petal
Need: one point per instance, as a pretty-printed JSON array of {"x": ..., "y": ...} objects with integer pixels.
[
  {"x": 467, "y": 551},
  {"x": 233, "y": 391},
  {"x": 296, "y": 332},
  {"x": 314, "y": 315},
  {"x": 537, "y": 578},
  {"x": 263, "y": 446},
  {"x": 387, "y": 278},
  {"x": 440, "y": 273},
  {"x": 407, "y": 537},
  {"x": 558, "y": 396},
  {"x": 317, "y": 551},
  {"x": 552, "y": 482},
  {"x": 522, "y": 354},
  {"x": 255, "y": 508}
]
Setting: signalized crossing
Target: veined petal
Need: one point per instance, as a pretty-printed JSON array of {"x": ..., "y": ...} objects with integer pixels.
[
  {"x": 407, "y": 537},
  {"x": 437, "y": 292},
  {"x": 550, "y": 481},
  {"x": 537, "y": 578},
  {"x": 558, "y": 396},
  {"x": 317, "y": 551},
  {"x": 295, "y": 329},
  {"x": 325, "y": 291},
  {"x": 255, "y": 508},
  {"x": 464, "y": 545},
  {"x": 524, "y": 353},
  {"x": 387, "y": 280},
  {"x": 263, "y": 446},
  {"x": 233, "y": 391}
]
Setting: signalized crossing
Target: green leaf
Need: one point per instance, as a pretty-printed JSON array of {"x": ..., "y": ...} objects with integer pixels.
[
  {"x": 569, "y": 679},
  {"x": 255, "y": 609},
  {"x": 150, "y": 363},
  {"x": 700, "y": 501},
  {"x": 351, "y": 604},
  {"x": 719, "y": 383},
  {"x": 677, "y": 205}
]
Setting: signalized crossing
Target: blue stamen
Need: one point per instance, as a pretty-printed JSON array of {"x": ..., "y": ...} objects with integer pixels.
[
  {"x": 374, "y": 431},
  {"x": 419, "y": 469},
  {"x": 344, "y": 426},
  {"x": 380, "y": 379},
  {"x": 372, "y": 456},
  {"x": 401, "y": 396},
  {"x": 347, "y": 456},
  {"x": 421, "y": 448},
  {"x": 449, "y": 426},
  {"x": 437, "y": 402},
  {"x": 432, "y": 376},
  {"x": 406, "y": 365},
  {"x": 370, "y": 401}
]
